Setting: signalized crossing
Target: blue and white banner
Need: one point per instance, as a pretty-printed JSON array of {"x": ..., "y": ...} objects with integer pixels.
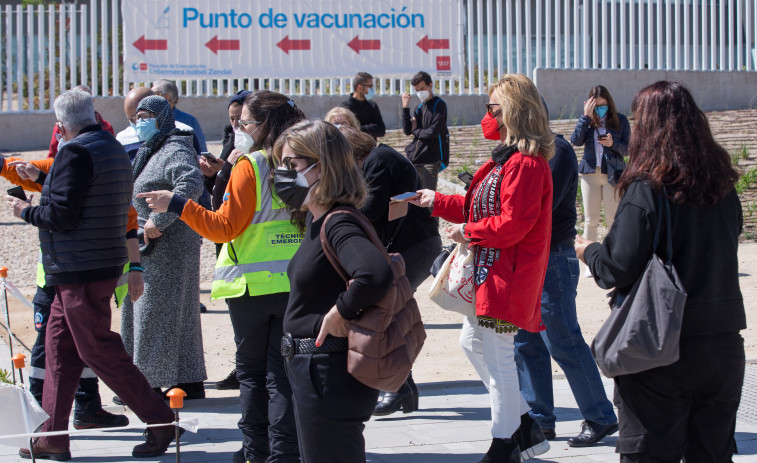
[{"x": 200, "y": 39}]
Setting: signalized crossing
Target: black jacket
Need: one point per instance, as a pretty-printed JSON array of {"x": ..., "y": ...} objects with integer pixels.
[
  {"x": 388, "y": 174},
  {"x": 564, "y": 169},
  {"x": 83, "y": 210},
  {"x": 705, "y": 246},
  {"x": 368, "y": 115},
  {"x": 430, "y": 138},
  {"x": 216, "y": 185}
]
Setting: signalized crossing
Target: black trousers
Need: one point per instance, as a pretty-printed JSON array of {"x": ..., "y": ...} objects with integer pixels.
[
  {"x": 684, "y": 410},
  {"x": 87, "y": 400},
  {"x": 265, "y": 397},
  {"x": 331, "y": 408},
  {"x": 419, "y": 259}
]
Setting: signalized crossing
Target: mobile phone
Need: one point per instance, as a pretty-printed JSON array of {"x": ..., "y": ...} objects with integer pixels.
[
  {"x": 601, "y": 132},
  {"x": 405, "y": 196},
  {"x": 207, "y": 155},
  {"x": 17, "y": 192},
  {"x": 465, "y": 177}
]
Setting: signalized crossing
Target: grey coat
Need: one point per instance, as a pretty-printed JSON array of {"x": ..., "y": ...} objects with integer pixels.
[{"x": 162, "y": 329}]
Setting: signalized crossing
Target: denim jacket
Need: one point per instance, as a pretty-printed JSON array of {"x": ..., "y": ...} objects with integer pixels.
[{"x": 583, "y": 135}]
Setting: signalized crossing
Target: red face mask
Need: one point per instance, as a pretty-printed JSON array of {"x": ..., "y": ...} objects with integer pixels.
[{"x": 490, "y": 127}]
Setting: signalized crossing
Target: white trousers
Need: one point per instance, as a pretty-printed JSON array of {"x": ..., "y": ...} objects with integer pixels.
[
  {"x": 595, "y": 190},
  {"x": 493, "y": 356}
]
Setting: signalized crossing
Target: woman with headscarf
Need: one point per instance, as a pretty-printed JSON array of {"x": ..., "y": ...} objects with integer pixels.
[
  {"x": 162, "y": 329},
  {"x": 251, "y": 274}
]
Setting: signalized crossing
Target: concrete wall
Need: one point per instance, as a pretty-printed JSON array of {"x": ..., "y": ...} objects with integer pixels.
[
  {"x": 32, "y": 131},
  {"x": 565, "y": 90}
]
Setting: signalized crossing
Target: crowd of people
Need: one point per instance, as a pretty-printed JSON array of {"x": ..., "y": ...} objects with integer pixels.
[{"x": 123, "y": 214}]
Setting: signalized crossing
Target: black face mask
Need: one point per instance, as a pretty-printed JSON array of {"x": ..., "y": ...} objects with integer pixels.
[{"x": 292, "y": 186}]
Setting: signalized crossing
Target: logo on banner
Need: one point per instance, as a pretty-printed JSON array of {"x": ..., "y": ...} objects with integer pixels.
[
  {"x": 443, "y": 64},
  {"x": 139, "y": 67}
]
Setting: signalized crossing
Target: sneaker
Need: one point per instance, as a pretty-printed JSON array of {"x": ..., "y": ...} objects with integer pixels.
[
  {"x": 203, "y": 309},
  {"x": 229, "y": 382},
  {"x": 45, "y": 452},
  {"x": 587, "y": 272},
  {"x": 156, "y": 442},
  {"x": 100, "y": 419},
  {"x": 530, "y": 438}
]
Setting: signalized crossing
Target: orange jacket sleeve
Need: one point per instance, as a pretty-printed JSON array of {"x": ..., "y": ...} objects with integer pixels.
[
  {"x": 236, "y": 211},
  {"x": 10, "y": 174},
  {"x": 132, "y": 224}
]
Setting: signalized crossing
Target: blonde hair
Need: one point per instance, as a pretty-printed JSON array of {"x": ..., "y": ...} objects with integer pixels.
[
  {"x": 342, "y": 111},
  {"x": 341, "y": 181},
  {"x": 523, "y": 115}
]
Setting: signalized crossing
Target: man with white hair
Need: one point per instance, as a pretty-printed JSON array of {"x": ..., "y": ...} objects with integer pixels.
[
  {"x": 168, "y": 90},
  {"x": 81, "y": 218}
]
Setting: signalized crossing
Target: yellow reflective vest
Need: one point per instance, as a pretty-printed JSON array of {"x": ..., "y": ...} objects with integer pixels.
[
  {"x": 122, "y": 287},
  {"x": 255, "y": 262}
]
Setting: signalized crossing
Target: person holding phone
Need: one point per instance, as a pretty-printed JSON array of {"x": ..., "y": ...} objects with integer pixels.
[
  {"x": 260, "y": 237},
  {"x": 604, "y": 134}
]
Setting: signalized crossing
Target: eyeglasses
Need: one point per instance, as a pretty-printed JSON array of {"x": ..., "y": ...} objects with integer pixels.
[
  {"x": 140, "y": 116},
  {"x": 246, "y": 123},
  {"x": 287, "y": 162},
  {"x": 132, "y": 118},
  {"x": 489, "y": 108}
]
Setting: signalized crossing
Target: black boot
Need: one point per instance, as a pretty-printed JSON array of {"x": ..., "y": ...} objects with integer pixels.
[
  {"x": 394, "y": 401},
  {"x": 530, "y": 438},
  {"x": 502, "y": 451}
]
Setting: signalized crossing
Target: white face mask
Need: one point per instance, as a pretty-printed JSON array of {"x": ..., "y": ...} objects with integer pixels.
[
  {"x": 243, "y": 141},
  {"x": 61, "y": 141},
  {"x": 423, "y": 95}
]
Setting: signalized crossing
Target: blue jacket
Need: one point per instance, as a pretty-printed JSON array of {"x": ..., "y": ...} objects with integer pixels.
[
  {"x": 191, "y": 121},
  {"x": 583, "y": 135}
]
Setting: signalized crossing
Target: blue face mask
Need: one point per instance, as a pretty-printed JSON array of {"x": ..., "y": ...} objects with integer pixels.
[
  {"x": 371, "y": 93},
  {"x": 601, "y": 110},
  {"x": 146, "y": 129}
]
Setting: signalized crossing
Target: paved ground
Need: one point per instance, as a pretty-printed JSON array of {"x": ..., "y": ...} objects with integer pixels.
[{"x": 452, "y": 426}]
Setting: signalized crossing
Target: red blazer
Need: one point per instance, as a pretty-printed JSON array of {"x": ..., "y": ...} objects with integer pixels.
[{"x": 512, "y": 289}]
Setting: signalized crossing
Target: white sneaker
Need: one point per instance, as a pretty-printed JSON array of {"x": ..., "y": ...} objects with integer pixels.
[{"x": 587, "y": 272}]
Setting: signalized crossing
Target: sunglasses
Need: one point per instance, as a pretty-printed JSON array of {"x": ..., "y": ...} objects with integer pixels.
[
  {"x": 490, "y": 109},
  {"x": 287, "y": 162}
]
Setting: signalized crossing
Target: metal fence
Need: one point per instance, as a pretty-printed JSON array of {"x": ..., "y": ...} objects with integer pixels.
[{"x": 46, "y": 49}]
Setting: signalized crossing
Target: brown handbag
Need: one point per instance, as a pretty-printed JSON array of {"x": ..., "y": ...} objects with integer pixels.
[{"x": 388, "y": 336}]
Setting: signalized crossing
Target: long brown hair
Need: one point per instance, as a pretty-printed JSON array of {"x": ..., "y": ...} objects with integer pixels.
[
  {"x": 612, "y": 121},
  {"x": 672, "y": 147}
]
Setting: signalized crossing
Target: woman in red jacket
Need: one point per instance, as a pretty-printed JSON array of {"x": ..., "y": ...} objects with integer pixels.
[{"x": 506, "y": 217}]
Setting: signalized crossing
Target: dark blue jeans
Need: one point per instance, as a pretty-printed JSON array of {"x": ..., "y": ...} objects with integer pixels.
[
  {"x": 564, "y": 342},
  {"x": 87, "y": 399}
]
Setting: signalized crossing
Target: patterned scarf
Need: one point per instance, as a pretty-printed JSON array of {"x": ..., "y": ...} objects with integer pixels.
[
  {"x": 486, "y": 203},
  {"x": 166, "y": 126}
]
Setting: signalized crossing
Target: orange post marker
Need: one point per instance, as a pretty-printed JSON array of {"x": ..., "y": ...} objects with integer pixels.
[
  {"x": 3, "y": 272},
  {"x": 19, "y": 361},
  {"x": 176, "y": 397}
]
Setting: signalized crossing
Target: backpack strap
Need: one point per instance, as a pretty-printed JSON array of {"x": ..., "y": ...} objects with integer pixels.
[{"x": 328, "y": 249}]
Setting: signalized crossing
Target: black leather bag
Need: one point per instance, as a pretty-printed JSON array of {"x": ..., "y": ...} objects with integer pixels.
[{"x": 145, "y": 249}]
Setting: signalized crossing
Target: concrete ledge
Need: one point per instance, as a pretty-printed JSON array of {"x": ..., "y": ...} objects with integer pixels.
[
  {"x": 565, "y": 90},
  {"x": 32, "y": 130}
]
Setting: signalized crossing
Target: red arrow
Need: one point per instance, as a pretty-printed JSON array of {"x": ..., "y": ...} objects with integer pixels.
[
  {"x": 143, "y": 44},
  {"x": 214, "y": 44},
  {"x": 287, "y": 44},
  {"x": 357, "y": 44},
  {"x": 427, "y": 44}
]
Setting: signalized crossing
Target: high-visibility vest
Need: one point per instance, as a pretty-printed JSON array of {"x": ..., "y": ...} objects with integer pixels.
[
  {"x": 255, "y": 262},
  {"x": 122, "y": 287}
]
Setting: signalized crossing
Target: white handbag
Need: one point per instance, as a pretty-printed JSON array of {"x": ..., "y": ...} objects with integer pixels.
[{"x": 453, "y": 287}]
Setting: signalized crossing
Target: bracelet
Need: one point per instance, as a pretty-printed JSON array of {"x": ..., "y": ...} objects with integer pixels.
[
  {"x": 136, "y": 269},
  {"x": 135, "y": 264}
]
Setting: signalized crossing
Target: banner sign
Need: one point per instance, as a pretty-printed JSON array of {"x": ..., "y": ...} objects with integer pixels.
[{"x": 195, "y": 39}]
